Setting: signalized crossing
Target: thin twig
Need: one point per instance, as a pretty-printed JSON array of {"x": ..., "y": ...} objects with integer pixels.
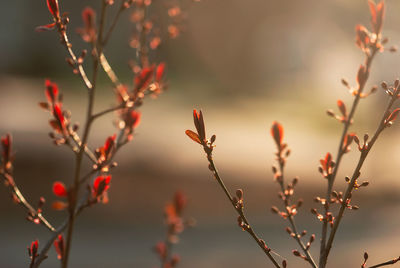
[
  {"x": 109, "y": 110},
  {"x": 291, "y": 219},
  {"x": 386, "y": 263},
  {"x": 114, "y": 23},
  {"x": 15, "y": 190},
  {"x": 248, "y": 228}
]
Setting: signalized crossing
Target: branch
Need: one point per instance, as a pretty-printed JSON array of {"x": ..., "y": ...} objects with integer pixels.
[
  {"x": 114, "y": 23},
  {"x": 386, "y": 263},
  {"x": 248, "y": 227},
  {"x": 356, "y": 173},
  {"x": 341, "y": 152},
  {"x": 21, "y": 199},
  {"x": 292, "y": 221}
]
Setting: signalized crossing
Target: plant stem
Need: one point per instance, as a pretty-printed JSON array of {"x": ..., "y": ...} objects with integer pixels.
[
  {"x": 89, "y": 119},
  {"x": 340, "y": 153},
  {"x": 356, "y": 174},
  {"x": 386, "y": 263},
  {"x": 249, "y": 229},
  {"x": 291, "y": 219},
  {"x": 15, "y": 190}
]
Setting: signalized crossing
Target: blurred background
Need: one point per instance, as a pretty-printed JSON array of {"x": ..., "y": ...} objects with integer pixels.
[{"x": 245, "y": 64}]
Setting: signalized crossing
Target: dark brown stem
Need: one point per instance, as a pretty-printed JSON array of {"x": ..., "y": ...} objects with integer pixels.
[
  {"x": 142, "y": 52},
  {"x": 89, "y": 119},
  {"x": 340, "y": 153},
  {"x": 114, "y": 23},
  {"x": 109, "y": 110},
  {"x": 386, "y": 263},
  {"x": 248, "y": 228},
  {"x": 355, "y": 175},
  {"x": 43, "y": 253}
]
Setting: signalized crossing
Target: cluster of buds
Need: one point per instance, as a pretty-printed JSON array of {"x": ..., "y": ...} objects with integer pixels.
[
  {"x": 60, "y": 122},
  {"x": 99, "y": 190},
  {"x": 200, "y": 136},
  {"x": 148, "y": 81},
  {"x": 147, "y": 28},
  {"x": 290, "y": 210},
  {"x": 175, "y": 225},
  {"x": 355, "y": 90},
  {"x": 59, "y": 246},
  {"x": 326, "y": 167},
  {"x": 329, "y": 218},
  {"x": 392, "y": 90},
  {"x": 173, "y": 216},
  {"x": 59, "y": 21},
  {"x": 35, "y": 216},
  {"x": 298, "y": 254},
  {"x": 161, "y": 250},
  {"x": 370, "y": 41},
  {"x": 364, "y": 145},
  {"x": 283, "y": 150},
  {"x": 293, "y": 234},
  {"x": 105, "y": 153},
  {"x": 33, "y": 251},
  {"x": 357, "y": 185},
  {"x": 88, "y": 32}
]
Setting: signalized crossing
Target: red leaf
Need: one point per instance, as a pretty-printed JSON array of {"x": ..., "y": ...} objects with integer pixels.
[
  {"x": 88, "y": 32},
  {"x": 47, "y": 27},
  {"x": 134, "y": 119},
  {"x": 372, "y": 10},
  {"x": 193, "y": 136},
  {"x": 59, "y": 116},
  {"x": 199, "y": 124},
  {"x": 180, "y": 201},
  {"x": 88, "y": 17},
  {"x": 59, "y": 205},
  {"x": 109, "y": 145},
  {"x": 6, "y": 144},
  {"x": 342, "y": 108},
  {"x": 59, "y": 246},
  {"x": 51, "y": 91},
  {"x": 52, "y": 5},
  {"x": 33, "y": 249},
  {"x": 326, "y": 163},
  {"x": 393, "y": 115},
  {"x": 101, "y": 185},
  {"x": 143, "y": 79},
  {"x": 377, "y": 14},
  {"x": 160, "y": 71},
  {"x": 362, "y": 37},
  {"x": 380, "y": 9},
  {"x": 277, "y": 133},
  {"x": 59, "y": 189}
]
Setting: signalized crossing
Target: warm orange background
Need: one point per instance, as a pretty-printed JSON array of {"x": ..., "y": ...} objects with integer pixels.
[{"x": 245, "y": 64}]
